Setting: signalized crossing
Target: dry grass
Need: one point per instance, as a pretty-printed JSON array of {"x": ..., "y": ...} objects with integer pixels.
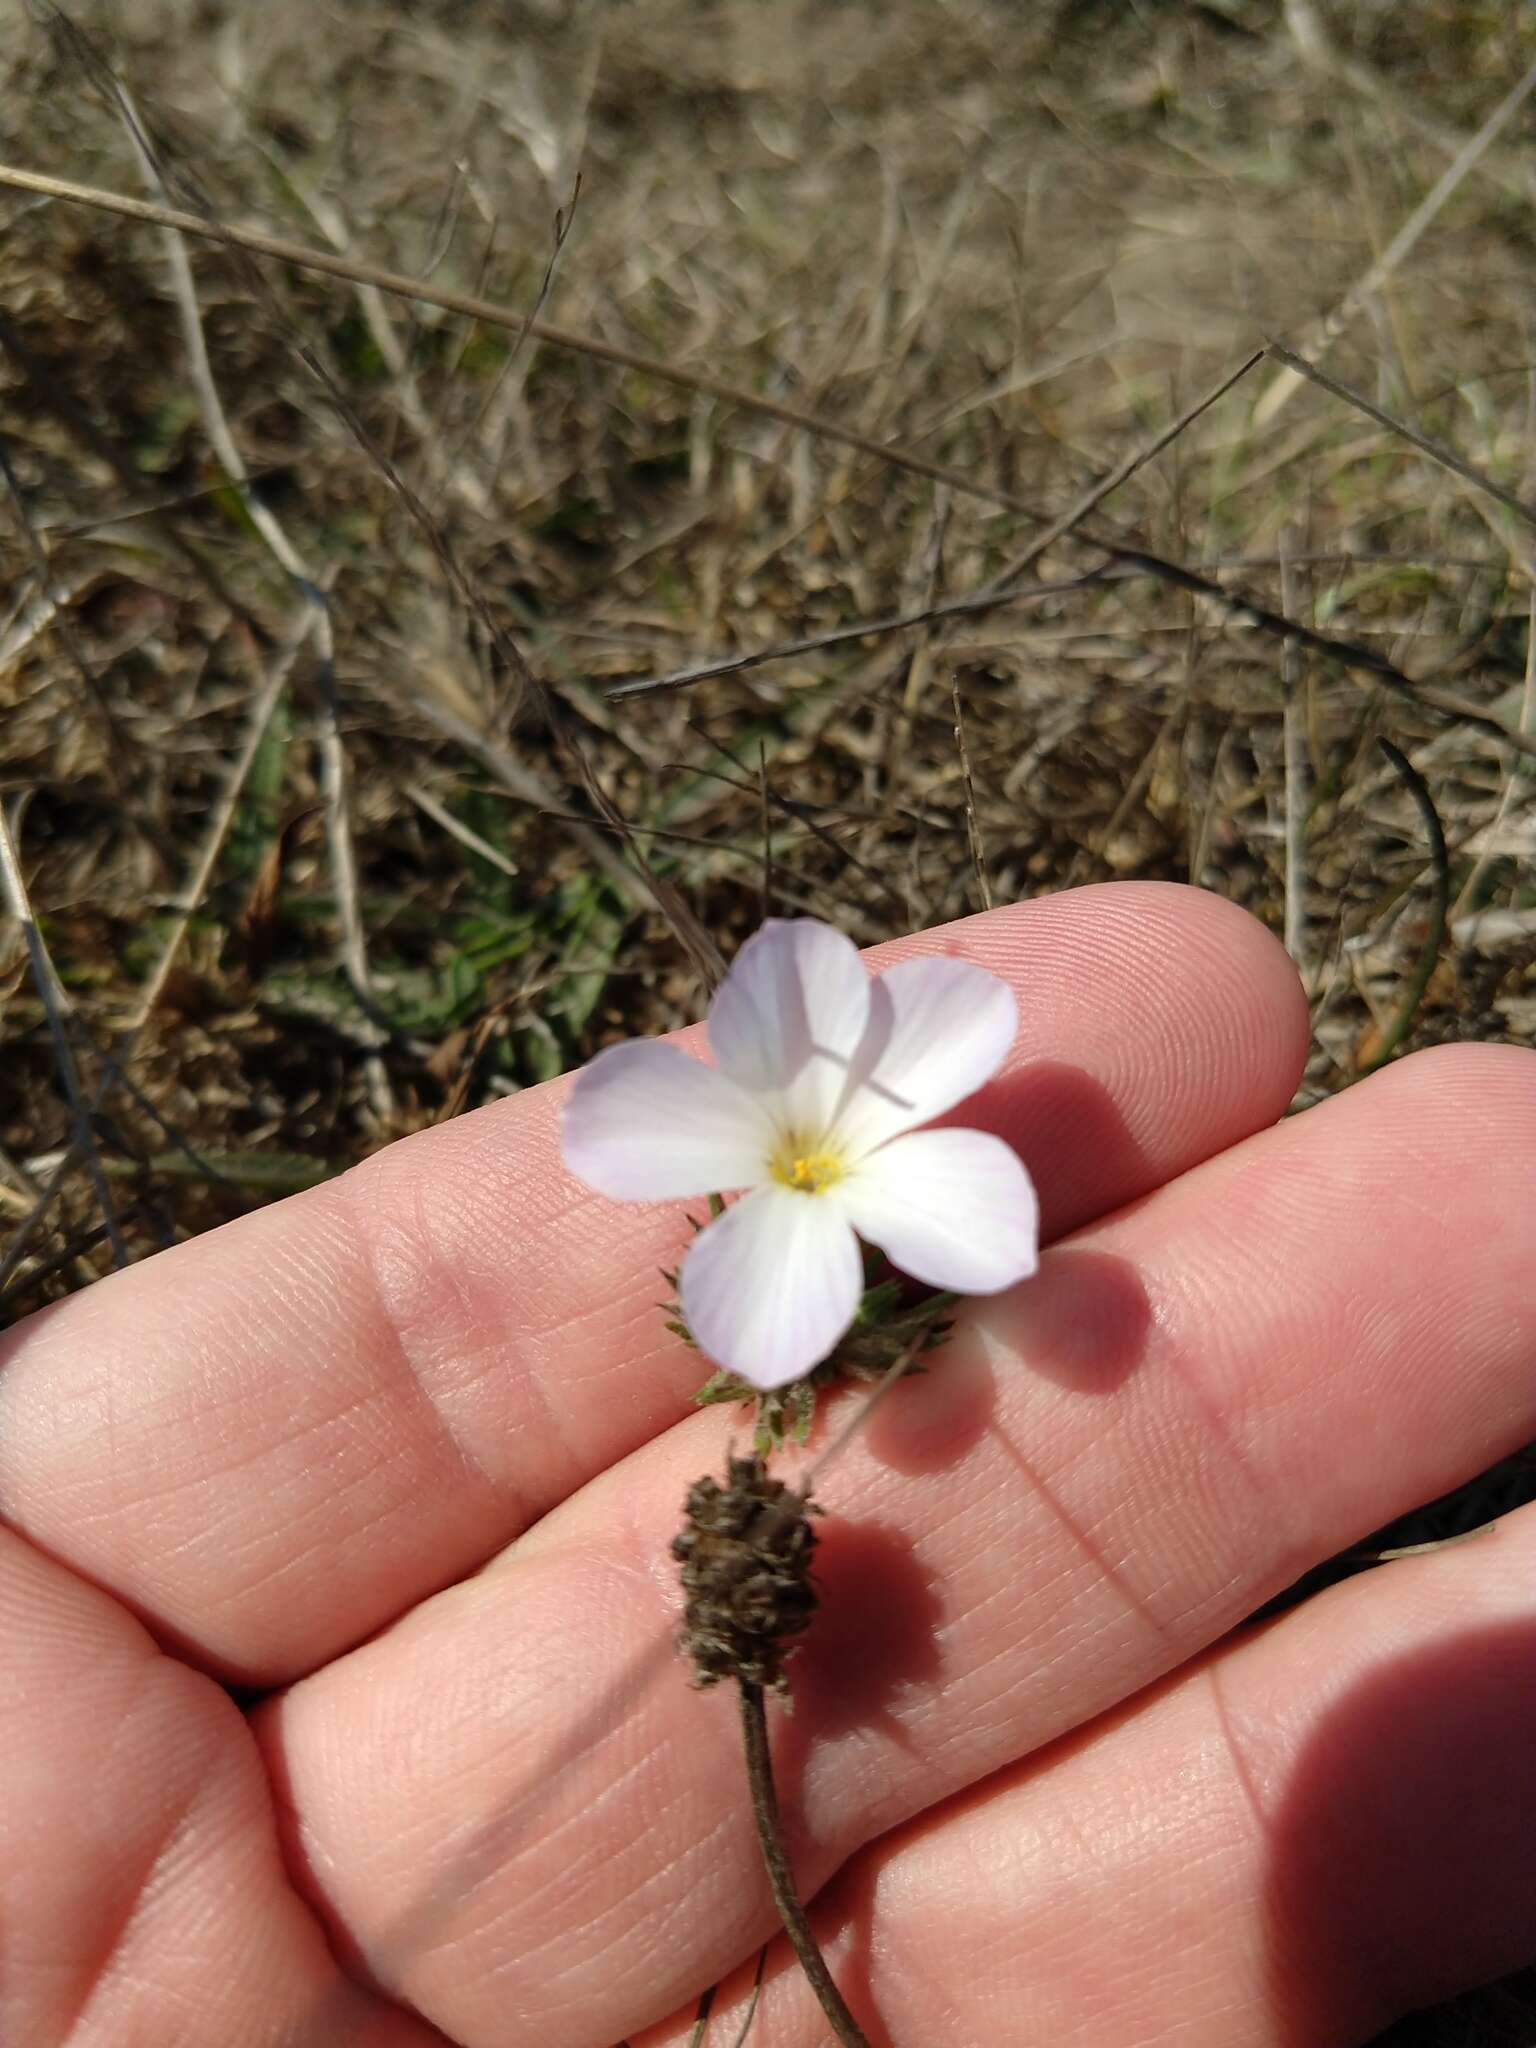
[{"x": 311, "y": 875}]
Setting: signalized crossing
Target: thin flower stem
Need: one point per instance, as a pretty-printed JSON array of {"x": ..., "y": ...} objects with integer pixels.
[
  {"x": 862, "y": 1413},
  {"x": 765, "y": 1811},
  {"x": 700, "y": 2018},
  {"x": 757, "y": 1991}
]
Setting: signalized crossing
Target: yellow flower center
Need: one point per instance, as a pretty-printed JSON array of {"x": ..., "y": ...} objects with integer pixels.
[{"x": 810, "y": 1172}]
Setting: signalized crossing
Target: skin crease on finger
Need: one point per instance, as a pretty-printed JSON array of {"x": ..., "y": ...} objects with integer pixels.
[
  {"x": 273, "y": 1439},
  {"x": 1323, "y": 1825},
  {"x": 1201, "y": 1396}
]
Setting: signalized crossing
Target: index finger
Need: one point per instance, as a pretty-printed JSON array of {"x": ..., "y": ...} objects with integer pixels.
[{"x": 274, "y": 1439}]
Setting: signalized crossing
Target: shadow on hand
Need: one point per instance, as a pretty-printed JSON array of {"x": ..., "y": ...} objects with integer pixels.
[
  {"x": 1068, "y": 1130},
  {"x": 1404, "y": 1845},
  {"x": 1083, "y": 1321},
  {"x": 875, "y": 1635}
]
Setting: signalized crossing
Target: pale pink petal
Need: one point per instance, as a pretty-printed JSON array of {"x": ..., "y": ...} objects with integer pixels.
[
  {"x": 788, "y": 1018},
  {"x": 937, "y": 1030},
  {"x": 769, "y": 1287},
  {"x": 643, "y": 1122},
  {"x": 955, "y": 1209}
]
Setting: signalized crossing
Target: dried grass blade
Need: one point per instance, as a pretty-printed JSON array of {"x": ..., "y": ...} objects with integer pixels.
[
  {"x": 1435, "y": 450},
  {"x": 1401, "y": 245},
  {"x": 1145, "y": 560},
  {"x": 1397, "y": 1030},
  {"x": 57, "y": 1009}
]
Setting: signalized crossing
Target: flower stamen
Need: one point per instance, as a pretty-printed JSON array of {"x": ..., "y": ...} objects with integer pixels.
[{"x": 808, "y": 1172}]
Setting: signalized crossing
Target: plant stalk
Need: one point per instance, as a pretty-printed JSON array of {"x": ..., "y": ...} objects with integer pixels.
[{"x": 765, "y": 1811}]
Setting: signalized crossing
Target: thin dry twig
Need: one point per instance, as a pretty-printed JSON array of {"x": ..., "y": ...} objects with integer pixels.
[
  {"x": 756, "y": 1993},
  {"x": 57, "y": 1009},
  {"x": 334, "y": 787},
  {"x": 185, "y": 903},
  {"x": 1515, "y": 776},
  {"x": 444, "y": 466},
  {"x": 1318, "y": 50},
  {"x": 522, "y": 782},
  {"x": 767, "y": 812},
  {"x": 1328, "y": 330},
  {"x": 47, "y": 388},
  {"x": 457, "y": 829},
  {"x": 1401, "y": 1023},
  {"x": 1296, "y": 777},
  {"x": 972, "y": 823},
  {"x": 564, "y": 220},
  {"x": 801, "y": 814},
  {"x": 199, "y": 367},
  {"x": 116, "y": 742},
  {"x": 840, "y": 636},
  {"x": 1236, "y": 604},
  {"x": 83, "y": 51},
  {"x": 305, "y": 257},
  {"x": 71, "y": 1258},
  {"x": 1121, "y": 473},
  {"x": 1435, "y": 450},
  {"x": 333, "y": 777},
  {"x": 691, "y": 934}
]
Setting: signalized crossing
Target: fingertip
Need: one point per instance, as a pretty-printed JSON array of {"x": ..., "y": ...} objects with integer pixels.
[
  {"x": 1488, "y": 1082},
  {"x": 1238, "y": 987}
]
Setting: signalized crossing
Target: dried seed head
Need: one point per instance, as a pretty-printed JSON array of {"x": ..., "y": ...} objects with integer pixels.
[{"x": 745, "y": 1551}]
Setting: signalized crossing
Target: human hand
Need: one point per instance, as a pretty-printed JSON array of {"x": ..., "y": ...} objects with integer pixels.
[{"x": 1038, "y": 1805}]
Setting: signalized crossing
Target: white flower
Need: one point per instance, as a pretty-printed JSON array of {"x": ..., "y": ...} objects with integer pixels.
[{"x": 822, "y": 1077}]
